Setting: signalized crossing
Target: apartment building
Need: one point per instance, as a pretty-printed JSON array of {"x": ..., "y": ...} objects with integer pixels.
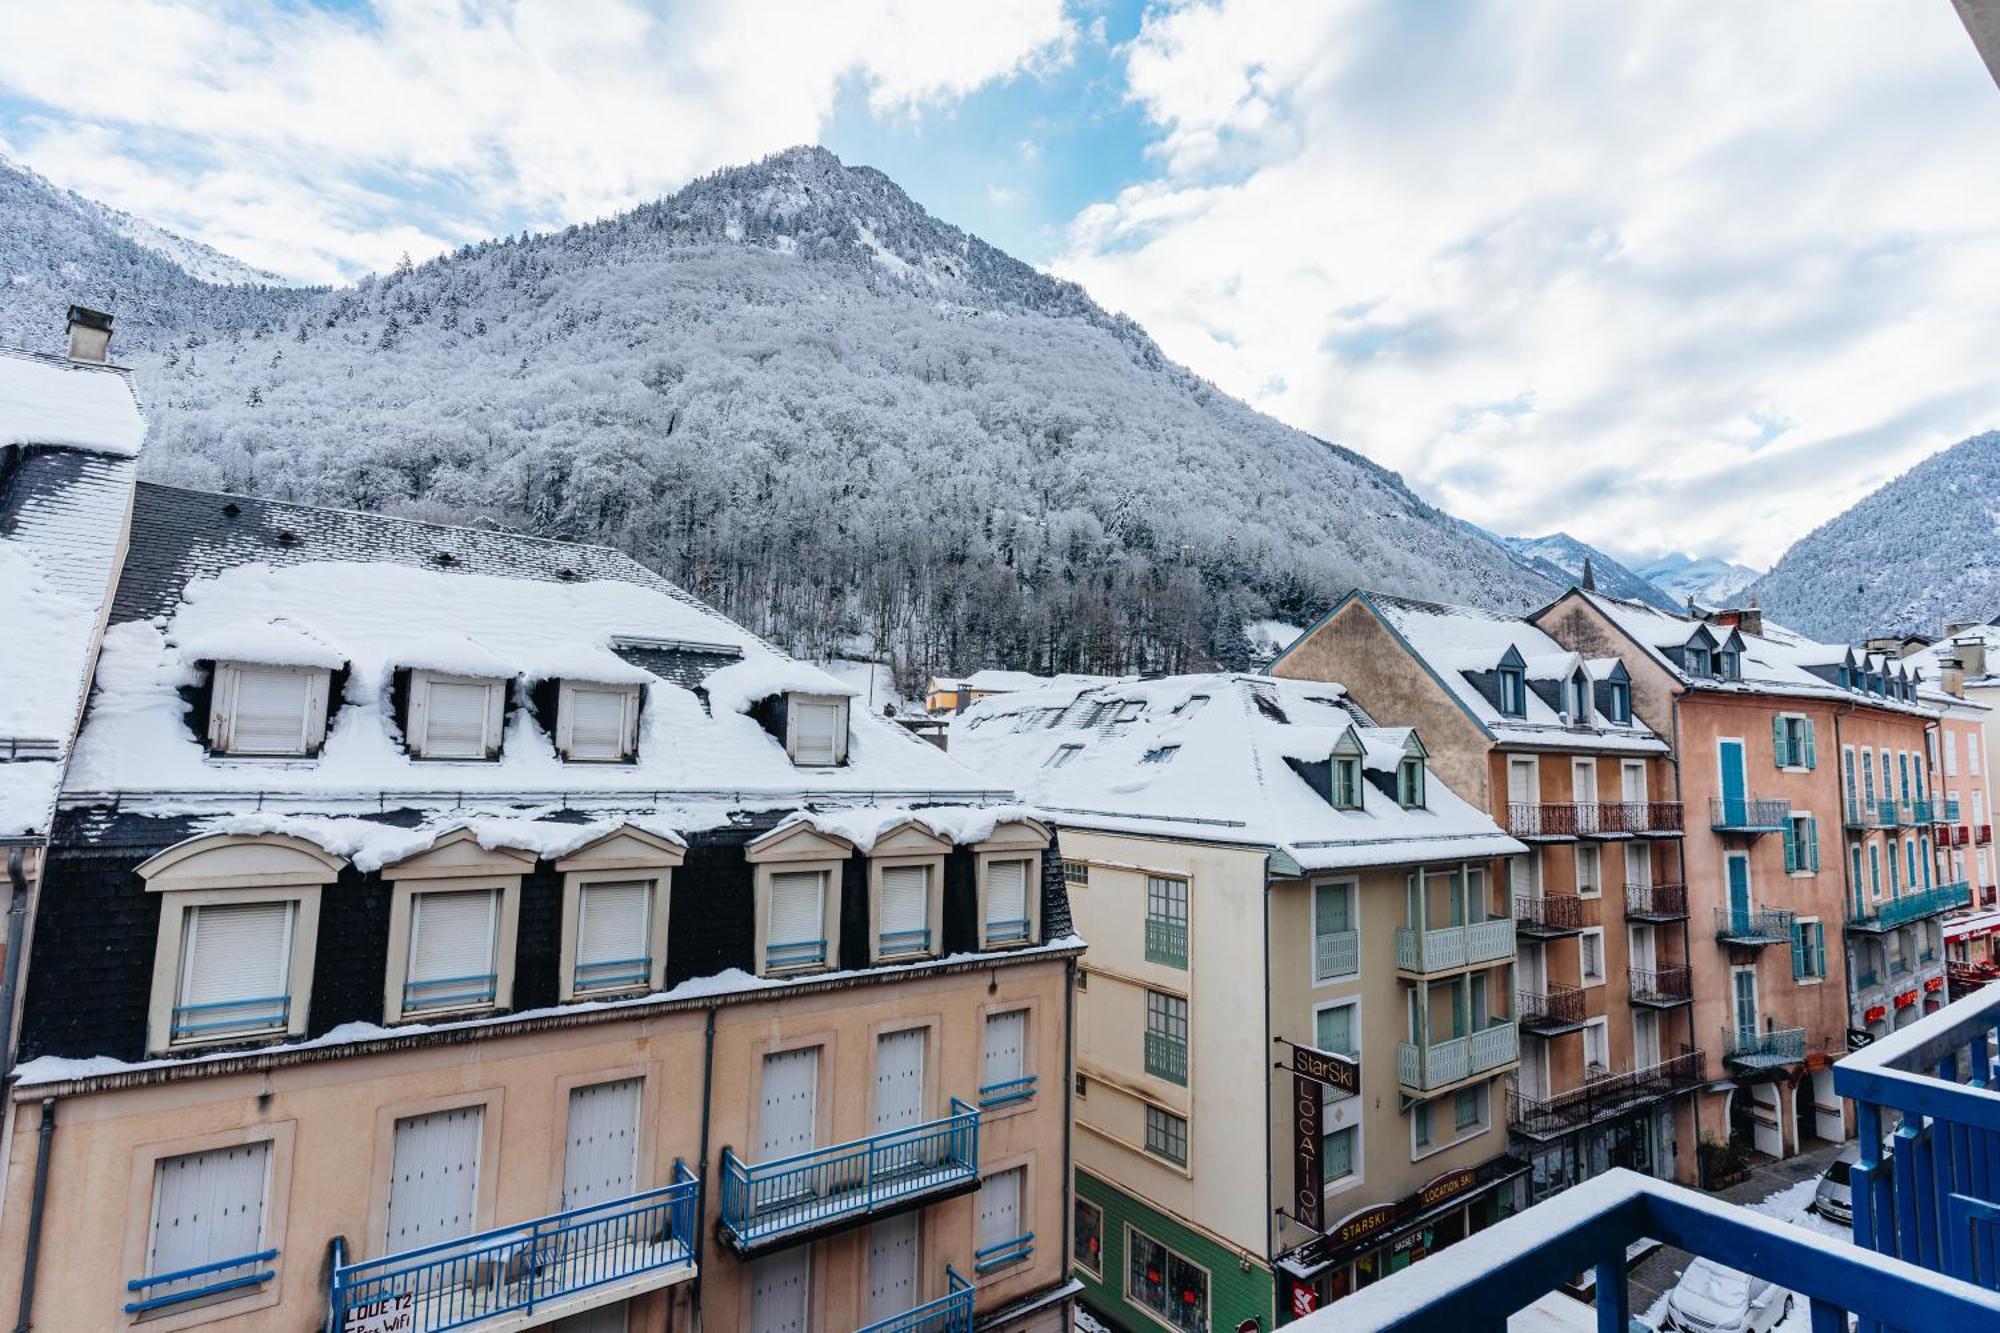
[
  {"x": 1812, "y": 896},
  {"x": 478, "y": 932},
  {"x": 1547, "y": 741},
  {"x": 70, "y": 432},
  {"x": 1272, "y": 882}
]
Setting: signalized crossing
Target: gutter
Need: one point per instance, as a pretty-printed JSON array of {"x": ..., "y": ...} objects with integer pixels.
[
  {"x": 31, "y": 1250},
  {"x": 707, "y": 1088}
]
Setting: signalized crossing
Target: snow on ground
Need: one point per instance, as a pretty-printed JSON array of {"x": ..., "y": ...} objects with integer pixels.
[{"x": 1788, "y": 1205}]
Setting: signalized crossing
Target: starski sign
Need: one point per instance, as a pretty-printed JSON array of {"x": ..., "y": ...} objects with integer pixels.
[{"x": 1313, "y": 1071}]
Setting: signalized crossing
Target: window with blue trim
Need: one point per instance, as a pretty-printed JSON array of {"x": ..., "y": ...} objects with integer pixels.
[
  {"x": 1513, "y": 693},
  {"x": 235, "y": 977},
  {"x": 1005, "y": 1080},
  {"x": 1619, "y": 701},
  {"x": 1808, "y": 950}
]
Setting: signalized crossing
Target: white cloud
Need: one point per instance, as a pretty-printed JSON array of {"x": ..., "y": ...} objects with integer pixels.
[
  {"x": 1664, "y": 276},
  {"x": 293, "y": 138}
]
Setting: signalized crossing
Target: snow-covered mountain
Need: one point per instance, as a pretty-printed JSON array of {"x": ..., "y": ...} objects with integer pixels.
[
  {"x": 790, "y": 388},
  {"x": 57, "y": 247},
  {"x": 1559, "y": 558},
  {"x": 1921, "y": 551},
  {"x": 1712, "y": 583}
]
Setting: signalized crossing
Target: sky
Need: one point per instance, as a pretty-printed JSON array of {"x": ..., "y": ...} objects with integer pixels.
[{"x": 1669, "y": 277}]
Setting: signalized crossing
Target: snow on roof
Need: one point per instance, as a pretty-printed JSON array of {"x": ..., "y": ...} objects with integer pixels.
[
  {"x": 1462, "y": 644},
  {"x": 961, "y": 825},
  {"x": 1205, "y": 757},
  {"x": 50, "y": 400},
  {"x": 136, "y": 738},
  {"x": 62, "y": 516},
  {"x": 1775, "y": 661},
  {"x": 996, "y": 681},
  {"x": 260, "y": 643},
  {"x": 1987, "y": 636}
]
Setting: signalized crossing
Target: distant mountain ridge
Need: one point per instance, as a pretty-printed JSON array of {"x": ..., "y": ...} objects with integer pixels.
[
  {"x": 788, "y": 387},
  {"x": 1710, "y": 582},
  {"x": 1921, "y": 551},
  {"x": 1560, "y": 558}
]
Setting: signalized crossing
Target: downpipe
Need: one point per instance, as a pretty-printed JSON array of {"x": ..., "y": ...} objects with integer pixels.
[
  {"x": 32, "y": 1250},
  {"x": 701, "y": 1227}
]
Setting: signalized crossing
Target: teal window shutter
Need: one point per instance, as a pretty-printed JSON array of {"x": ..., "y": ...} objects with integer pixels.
[
  {"x": 1778, "y": 746},
  {"x": 1792, "y": 847},
  {"x": 1819, "y": 949},
  {"x": 1798, "y": 951},
  {"x": 1812, "y": 843},
  {"x": 1812, "y": 745}
]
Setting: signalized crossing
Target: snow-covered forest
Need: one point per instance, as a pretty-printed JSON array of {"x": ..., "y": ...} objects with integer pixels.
[{"x": 787, "y": 387}]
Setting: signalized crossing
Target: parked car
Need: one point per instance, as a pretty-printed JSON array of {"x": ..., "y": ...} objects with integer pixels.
[
  {"x": 1713, "y": 1299},
  {"x": 1833, "y": 1198}
]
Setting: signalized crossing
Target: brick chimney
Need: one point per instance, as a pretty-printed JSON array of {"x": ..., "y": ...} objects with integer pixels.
[
  {"x": 89, "y": 334},
  {"x": 1748, "y": 619}
]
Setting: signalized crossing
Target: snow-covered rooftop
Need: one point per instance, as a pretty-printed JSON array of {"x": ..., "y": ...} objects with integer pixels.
[
  {"x": 1775, "y": 661},
  {"x": 1205, "y": 757},
  {"x": 51, "y": 400},
  {"x": 1464, "y": 646},
  {"x": 1987, "y": 637}
]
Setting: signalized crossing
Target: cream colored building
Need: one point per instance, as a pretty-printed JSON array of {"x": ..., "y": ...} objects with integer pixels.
[
  {"x": 1256, "y": 865},
  {"x": 457, "y": 927}
]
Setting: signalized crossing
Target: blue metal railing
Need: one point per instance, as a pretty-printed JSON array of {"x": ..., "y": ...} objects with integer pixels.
[
  {"x": 1006, "y": 1092},
  {"x": 1002, "y": 1254},
  {"x": 803, "y": 953},
  {"x": 264, "y": 1013},
  {"x": 1914, "y": 905},
  {"x": 895, "y": 942},
  {"x": 949, "y": 1313},
  {"x": 1011, "y": 930},
  {"x": 1484, "y": 1278},
  {"x": 168, "y": 1291},
  {"x": 847, "y": 1180},
  {"x": 614, "y": 973},
  {"x": 449, "y": 992},
  {"x": 462, "y": 1283},
  {"x": 1929, "y": 1192}
]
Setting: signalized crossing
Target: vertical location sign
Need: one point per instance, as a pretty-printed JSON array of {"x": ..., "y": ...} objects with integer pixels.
[{"x": 1307, "y": 1191}]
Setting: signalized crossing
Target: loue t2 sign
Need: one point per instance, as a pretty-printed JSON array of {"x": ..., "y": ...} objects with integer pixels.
[{"x": 391, "y": 1314}]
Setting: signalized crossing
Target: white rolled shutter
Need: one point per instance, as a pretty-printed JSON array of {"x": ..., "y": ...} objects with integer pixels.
[
  {"x": 1000, "y": 1208},
  {"x": 600, "y": 1160},
  {"x": 796, "y": 912},
  {"x": 899, "y": 1079},
  {"x": 1006, "y": 1036},
  {"x": 614, "y": 934},
  {"x": 434, "y": 1177},
  {"x": 269, "y": 713},
  {"x": 599, "y": 723},
  {"x": 815, "y": 728},
  {"x": 779, "y": 1296},
  {"x": 207, "y": 1207},
  {"x": 1006, "y": 900},
  {"x": 786, "y": 1115},
  {"x": 235, "y": 968},
  {"x": 455, "y": 715},
  {"x": 906, "y": 898},
  {"x": 452, "y": 934}
]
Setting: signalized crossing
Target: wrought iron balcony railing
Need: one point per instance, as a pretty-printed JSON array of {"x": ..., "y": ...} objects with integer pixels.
[
  {"x": 769, "y": 1203},
  {"x": 1557, "y": 1009},
  {"x": 949, "y": 1313},
  {"x": 1448, "y": 947},
  {"x": 1606, "y": 1095},
  {"x": 1656, "y": 902},
  {"x": 1912, "y": 906},
  {"x": 1748, "y": 814},
  {"x": 1667, "y": 988},
  {"x": 1439, "y": 1065},
  {"x": 1640, "y": 817},
  {"x": 1767, "y": 1049},
  {"x": 1551, "y": 819},
  {"x": 549, "y": 1266},
  {"x": 1550, "y": 915},
  {"x": 1753, "y": 929},
  {"x": 1539, "y": 1251}
]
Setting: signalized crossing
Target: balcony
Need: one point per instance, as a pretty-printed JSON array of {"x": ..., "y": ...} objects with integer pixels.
[
  {"x": 1853, "y": 815},
  {"x": 1912, "y": 906},
  {"x": 1656, "y": 902},
  {"x": 1668, "y": 988},
  {"x": 1592, "y": 819},
  {"x": 1769, "y": 1049},
  {"x": 1753, "y": 930},
  {"x": 1166, "y": 942},
  {"x": 1561, "y": 819},
  {"x": 1549, "y": 916},
  {"x": 1551, "y": 1013},
  {"x": 1336, "y": 954},
  {"x": 1920, "y": 812},
  {"x": 1983, "y": 834},
  {"x": 1927, "y": 1192},
  {"x": 1166, "y": 1057},
  {"x": 537, "y": 1271},
  {"x": 1607, "y": 1095},
  {"x": 1882, "y": 813},
  {"x": 1537, "y": 1252},
  {"x": 1423, "y": 1070},
  {"x": 949, "y": 1313},
  {"x": 769, "y": 1205},
  {"x": 1748, "y": 814},
  {"x": 1424, "y": 952},
  {"x": 1641, "y": 818},
  {"x": 1945, "y": 811}
]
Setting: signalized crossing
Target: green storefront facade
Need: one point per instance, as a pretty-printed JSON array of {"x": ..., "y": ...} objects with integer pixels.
[{"x": 1153, "y": 1272}]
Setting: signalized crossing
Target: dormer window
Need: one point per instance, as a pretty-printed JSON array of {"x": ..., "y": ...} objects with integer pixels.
[
  {"x": 455, "y": 717},
  {"x": 1410, "y": 782},
  {"x": 816, "y": 729},
  {"x": 1346, "y": 782},
  {"x": 1729, "y": 665},
  {"x": 1579, "y": 700},
  {"x": 1513, "y": 675},
  {"x": 1618, "y": 702},
  {"x": 1697, "y": 661},
  {"x": 267, "y": 710},
  {"x": 597, "y": 723}
]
